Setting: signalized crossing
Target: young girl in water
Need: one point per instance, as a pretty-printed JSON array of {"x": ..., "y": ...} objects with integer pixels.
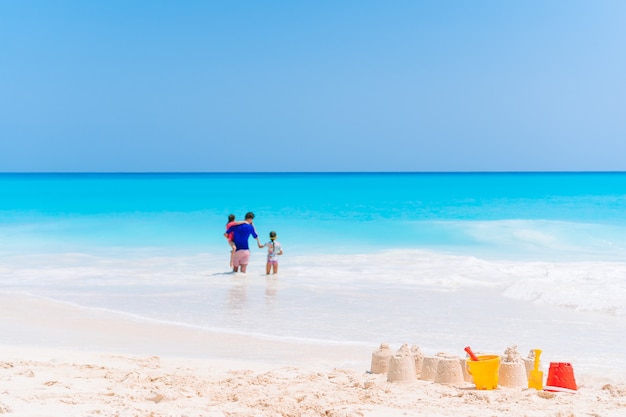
[{"x": 274, "y": 249}]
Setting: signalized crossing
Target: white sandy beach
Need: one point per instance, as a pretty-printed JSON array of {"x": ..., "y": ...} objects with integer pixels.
[{"x": 56, "y": 360}]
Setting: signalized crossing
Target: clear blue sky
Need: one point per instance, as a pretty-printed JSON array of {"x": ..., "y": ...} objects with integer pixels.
[{"x": 312, "y": 85}]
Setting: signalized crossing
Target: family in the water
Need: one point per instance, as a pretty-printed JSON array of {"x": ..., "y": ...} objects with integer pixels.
[{"x": 238, "y": 233}]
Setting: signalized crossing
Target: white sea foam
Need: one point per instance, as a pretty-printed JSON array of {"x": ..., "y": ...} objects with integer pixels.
[
  {"x": 582, "y": 286},
  {"x": 435, "y": 300},
  {"x": 530, "y": 239}
]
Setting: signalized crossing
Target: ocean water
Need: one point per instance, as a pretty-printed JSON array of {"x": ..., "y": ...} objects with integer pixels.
[{"x": 440, "y": 260}]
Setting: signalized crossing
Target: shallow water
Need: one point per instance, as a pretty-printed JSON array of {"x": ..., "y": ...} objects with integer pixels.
[{"x": 438, "y": 260}]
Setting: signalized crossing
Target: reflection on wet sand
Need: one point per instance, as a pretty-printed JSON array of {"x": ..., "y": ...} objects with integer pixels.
[
  {"x": 237, "y": 295},
  {"x": 270, "y": 290}
]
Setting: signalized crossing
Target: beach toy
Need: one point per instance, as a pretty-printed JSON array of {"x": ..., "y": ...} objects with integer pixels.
[
  {"x": 512, "y": 369},
  {"x": 529, "y": 361},
  {"x": 561, "y": 378},
  {"x": 380, "y": 359},
  {"x": 470, "y": 353},
  {"x": 449, "y": 371},
  {"x": 484, "y": 371},
  {"x": 402, "y": 366},
  {"x": 535, "y": 380}
]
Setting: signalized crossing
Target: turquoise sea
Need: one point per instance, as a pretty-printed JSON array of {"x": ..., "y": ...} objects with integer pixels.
[{"x": 441, "y": 260}]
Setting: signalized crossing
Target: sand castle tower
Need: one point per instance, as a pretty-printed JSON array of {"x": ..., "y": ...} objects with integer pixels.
[
  {"x": 402, "y": 366},
  {"x": 466, "y": 375},
  {"x": 513, "y": 369},
  {"x": 449, "y": 370},
  {"x": 418, "y": 356},
  {"x": 429, "y": 367},
  {"x": 380, "y": 359}
]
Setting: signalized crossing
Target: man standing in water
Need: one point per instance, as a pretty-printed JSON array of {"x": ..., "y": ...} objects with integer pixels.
[{"x": 241, "y": 234}]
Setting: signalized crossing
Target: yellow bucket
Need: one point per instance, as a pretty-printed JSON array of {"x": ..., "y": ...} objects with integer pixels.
[{"x": 484, "y": 371}]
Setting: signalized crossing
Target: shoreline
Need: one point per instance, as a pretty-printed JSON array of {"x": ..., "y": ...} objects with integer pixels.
[
  {"x": 57, "y": 362},
  {"x": 31, "y": 321}
]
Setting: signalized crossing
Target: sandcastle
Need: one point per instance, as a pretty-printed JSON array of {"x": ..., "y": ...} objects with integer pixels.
[
  {"x": 466, "y": 375},
  {"x": 409, "y": 364},
  {"x": 418, "y": 355},
  {"x": 513, "y": 371},
  {"x": 402, "y": 366},
  {"x": 449, "y": 370},
  {"x": 380, "y": 359},
  {"x": 429, "y": 368},
  {"x": 529, "y": 362}
]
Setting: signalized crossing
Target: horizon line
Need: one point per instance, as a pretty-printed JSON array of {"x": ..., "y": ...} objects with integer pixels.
[{"x": 303, "y": 172}]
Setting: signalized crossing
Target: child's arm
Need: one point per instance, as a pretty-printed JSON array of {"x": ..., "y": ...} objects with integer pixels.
[
  {"x": 234, "y": 223},
  {"x": 231, "y": 225}
]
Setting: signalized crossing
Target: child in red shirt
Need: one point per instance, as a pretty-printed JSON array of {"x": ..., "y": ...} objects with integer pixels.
[{"x": 229, "y": 237}]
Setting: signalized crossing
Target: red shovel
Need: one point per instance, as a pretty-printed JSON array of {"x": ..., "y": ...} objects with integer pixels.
[{"x": 471, "y": 354}]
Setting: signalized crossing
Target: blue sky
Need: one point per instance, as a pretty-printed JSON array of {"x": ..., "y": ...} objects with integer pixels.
[{"x": 312, "y": 86}]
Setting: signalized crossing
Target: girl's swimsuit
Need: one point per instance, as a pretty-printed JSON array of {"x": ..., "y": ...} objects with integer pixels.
[{"x": 273, "y": 249}]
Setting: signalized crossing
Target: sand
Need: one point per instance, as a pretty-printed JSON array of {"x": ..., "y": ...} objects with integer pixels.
[
  {"x": 47, "y": 382},
  {"x": 96, "y": 365}
]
